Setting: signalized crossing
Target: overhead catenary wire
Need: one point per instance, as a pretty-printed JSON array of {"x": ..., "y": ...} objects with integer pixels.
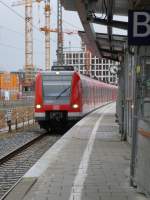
[
  {"x": 66, "y": 22},
  {"x": 34, "y": 26},
  {"x": 19, "y": 33},
  {"x": 20, "y": 16},
  {"x": 18, "y": 48},
  {"x": 11, "y": 46},
  {"x": 71, "y": 24},
  {"x": 12, "y": 30},
  {"x": 16, "y": 13}
]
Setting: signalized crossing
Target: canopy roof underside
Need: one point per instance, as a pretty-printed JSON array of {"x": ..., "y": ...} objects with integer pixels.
[{"x": 104, "y": 45}]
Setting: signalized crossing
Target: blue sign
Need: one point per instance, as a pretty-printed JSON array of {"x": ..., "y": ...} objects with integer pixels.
[{"x": 139, "y": 28}]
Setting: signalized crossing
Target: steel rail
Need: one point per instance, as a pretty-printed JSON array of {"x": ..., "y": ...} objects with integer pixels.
[{"x": 20, "y": 149}]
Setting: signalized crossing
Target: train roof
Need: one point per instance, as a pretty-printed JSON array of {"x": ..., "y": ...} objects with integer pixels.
[
  {"x": 56, "y": 72},
  {"x": 97, "y": 81},
  {"x": 80, "y": 75}
]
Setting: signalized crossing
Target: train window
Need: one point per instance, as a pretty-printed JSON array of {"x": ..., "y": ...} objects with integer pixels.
[
  {"x": 85, "y": 89},
  {"x": 56, "y": 89},
  {"x": 56, "y": 77}
]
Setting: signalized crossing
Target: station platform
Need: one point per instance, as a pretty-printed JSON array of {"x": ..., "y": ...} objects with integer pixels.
[{"x": 89, "y": 162}]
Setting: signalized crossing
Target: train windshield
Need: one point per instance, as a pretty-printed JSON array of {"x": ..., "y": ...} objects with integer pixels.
[{"x": 56, "y": 89}]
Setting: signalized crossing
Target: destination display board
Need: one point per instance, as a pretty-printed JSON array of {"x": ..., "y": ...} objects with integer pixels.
[
  {"x": 139, "y": 27},
  {"x": 62, "y": 68}
]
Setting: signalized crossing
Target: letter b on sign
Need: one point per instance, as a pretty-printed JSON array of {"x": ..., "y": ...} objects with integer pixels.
[{"x": 139, "y": 28}]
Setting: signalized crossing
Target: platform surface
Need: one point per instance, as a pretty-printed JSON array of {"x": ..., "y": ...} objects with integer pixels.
[{"x": 88, "y": 163}]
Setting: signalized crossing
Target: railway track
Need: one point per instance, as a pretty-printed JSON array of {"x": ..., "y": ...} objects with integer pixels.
[
  {"x": 20, "y": 149},
  {"x": 15, "y": 164}
]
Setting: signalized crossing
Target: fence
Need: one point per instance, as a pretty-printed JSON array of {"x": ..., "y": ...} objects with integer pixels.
[
  {"x": 4, "y": 104},
  {"x": 18, "y": 116}
]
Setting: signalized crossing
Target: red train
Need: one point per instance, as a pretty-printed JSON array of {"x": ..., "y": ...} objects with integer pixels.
[{"x": 68, "y": 95}]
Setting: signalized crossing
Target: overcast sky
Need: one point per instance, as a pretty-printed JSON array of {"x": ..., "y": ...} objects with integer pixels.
[{"x": 12, "y": 34}]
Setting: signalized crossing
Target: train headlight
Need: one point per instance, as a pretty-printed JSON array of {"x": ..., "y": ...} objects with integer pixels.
[
  {"x": 38, "y": 106},
  {"x": 75, "y": 106},
  {"x": 57, "y": 73}
]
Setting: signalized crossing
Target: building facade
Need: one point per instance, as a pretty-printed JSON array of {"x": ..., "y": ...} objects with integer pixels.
[
  {"x": 97, "y": 68},
  {"x": 9, "y": 86}
]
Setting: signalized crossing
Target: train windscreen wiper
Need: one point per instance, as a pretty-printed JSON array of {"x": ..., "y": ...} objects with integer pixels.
[{"x": 63, "y": 92}]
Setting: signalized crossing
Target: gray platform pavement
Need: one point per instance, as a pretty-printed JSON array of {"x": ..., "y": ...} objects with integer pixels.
[{"x": 89, "y": 162}]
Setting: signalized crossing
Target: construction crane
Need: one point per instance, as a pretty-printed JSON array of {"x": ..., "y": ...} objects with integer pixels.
[
  {"x": 47, "y": 31},
  {"x": 29, "y": 67},
  {"x": 60, "y": 34},
  {"x": 23, "y": 2},
  {"x": 28, "y": 9}
]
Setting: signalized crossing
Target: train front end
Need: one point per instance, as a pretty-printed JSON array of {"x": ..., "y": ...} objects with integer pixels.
[{"x": 57, "y": 98}]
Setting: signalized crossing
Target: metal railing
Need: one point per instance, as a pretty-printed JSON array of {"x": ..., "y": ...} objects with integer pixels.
[
  {"x": 17, "y": 119},
  {"x": 12, "y": 104}
]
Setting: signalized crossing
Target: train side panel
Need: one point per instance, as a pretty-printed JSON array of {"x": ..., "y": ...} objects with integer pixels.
[{"x": 96, "y": 94}]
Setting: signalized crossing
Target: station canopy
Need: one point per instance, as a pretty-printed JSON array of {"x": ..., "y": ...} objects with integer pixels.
[
  {"x": 102, "y": 12},
  {"x": 102, "y": 42}
]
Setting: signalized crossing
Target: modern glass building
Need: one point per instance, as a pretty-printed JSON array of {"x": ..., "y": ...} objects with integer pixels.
[{"x": 97, "y": 68}]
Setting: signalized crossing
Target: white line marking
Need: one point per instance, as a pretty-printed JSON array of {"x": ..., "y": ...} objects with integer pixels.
[{"x": 76, "y": 191}]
